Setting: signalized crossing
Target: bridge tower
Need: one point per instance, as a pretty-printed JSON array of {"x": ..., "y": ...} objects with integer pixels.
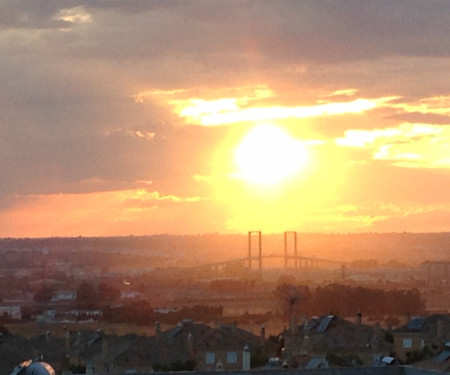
[
  {"x": 251, "y": 235},
  {"x": 287, "y": 235}
]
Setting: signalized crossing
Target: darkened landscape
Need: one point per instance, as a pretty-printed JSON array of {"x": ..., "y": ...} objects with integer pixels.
[{"x": 127, "y": 285}]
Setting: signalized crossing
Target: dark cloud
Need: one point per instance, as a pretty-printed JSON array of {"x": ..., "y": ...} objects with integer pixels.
[
  {"x": 300, "y": 31},
  {"x": 40, "y": 14},
  {"x": 309, "y": 30},
  {"x": 42, "y": 162},
  {"x": 132, "y": 6}
]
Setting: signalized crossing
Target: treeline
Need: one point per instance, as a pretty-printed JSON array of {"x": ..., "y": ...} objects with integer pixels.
[
  {"x": 88, "y": 295},
  {"x": 142, "y": 313},
  {"x": 344, "y": 300}
]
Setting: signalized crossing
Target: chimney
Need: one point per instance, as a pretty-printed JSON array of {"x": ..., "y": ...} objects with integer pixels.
[
  {"x": 105, "y": 346},
  {"x": 440, "y": 334},
  {"x": 67, "y": 341},
  {"x": 294, "y": 325},
  {"x": 306, "y": 332},
  {"x": 234, "y": 328},
  {"x": 157, "y": 330},
  {"x": 263, "y": 332},
  {"x": 246, "y": 358},
  {"x": 407, "y": 318},
  {"x": 78, "y": 340},
  {"x": 358, "y": 319},
  {"x": 305, "y": 347},
  {"x": 190, "y": 345},
  {"x": 377, "y": 336}
]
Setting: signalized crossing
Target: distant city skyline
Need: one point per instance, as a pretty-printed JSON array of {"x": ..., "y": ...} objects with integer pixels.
[{"x": 134, "y": 118}]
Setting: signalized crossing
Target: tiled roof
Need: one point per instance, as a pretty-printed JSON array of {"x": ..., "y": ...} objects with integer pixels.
[
  {"x": 427, "y": 326},
  {"x": 338, "y": 334}
]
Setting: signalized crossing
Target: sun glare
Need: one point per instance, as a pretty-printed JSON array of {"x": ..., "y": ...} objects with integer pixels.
[{"x": 268, "y": 155}]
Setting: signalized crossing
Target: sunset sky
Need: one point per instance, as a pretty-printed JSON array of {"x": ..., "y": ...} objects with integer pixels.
[{"x": 142, "y": 117}]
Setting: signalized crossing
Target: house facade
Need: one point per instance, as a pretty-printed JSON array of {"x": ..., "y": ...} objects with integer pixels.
[{"x": 421, "y": 334}]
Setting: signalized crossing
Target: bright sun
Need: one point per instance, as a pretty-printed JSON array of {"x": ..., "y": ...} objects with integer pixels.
[{"x": 268, "y": 155}]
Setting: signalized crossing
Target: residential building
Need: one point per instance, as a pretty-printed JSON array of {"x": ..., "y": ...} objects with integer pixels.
[
  {"x": 200, "y": 346},
  {"x": 188, "y": 346},
  {"x": 436, "y": 273},
  {"x": 13, "y": 311},
  {"x": 64, "y": 297},
  {"x": 333, "y": 336},
  {"x": 420, "y": 333}
]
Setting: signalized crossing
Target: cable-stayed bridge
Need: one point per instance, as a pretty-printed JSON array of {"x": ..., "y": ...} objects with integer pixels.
[{"x": 256, "y": 259}]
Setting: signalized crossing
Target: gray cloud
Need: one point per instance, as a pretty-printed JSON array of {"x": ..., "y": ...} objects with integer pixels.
[
  {"x": 30, "y": 14},
  {"x": 308, "y": 30}
]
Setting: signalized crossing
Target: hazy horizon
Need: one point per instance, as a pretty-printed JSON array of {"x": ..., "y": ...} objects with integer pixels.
[
  {"x": 410, "y": 249},
  {"x": 299, "y": 233}
]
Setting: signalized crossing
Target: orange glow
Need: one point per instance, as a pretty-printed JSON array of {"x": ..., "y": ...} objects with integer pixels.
[
  {"x": 268, "y": 155},
  {"x": 120, "y": 212},
  {"x": 267, "y": 180}
]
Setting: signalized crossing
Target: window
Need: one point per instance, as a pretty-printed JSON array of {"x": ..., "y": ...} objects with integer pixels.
[
  {"x": 407, "y": 343},
  {"x": 231, "y": 357},
  {"x": 210, "y": 358}
]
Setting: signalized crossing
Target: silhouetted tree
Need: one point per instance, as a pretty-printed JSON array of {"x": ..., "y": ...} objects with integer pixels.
[
  {"x": 87, "y": 295},
  {"x": 108, "y": 293},
  {"x": 345, "y": 300},
  {"x": 44, "y": 294},
  {"x": 290, "y": 296}
]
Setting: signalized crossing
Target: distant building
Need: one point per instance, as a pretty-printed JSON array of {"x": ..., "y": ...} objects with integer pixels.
[
  {"x": 63, "y": 315},
  {"x": 64, "y": 296},
  {"x": 436, "y": 273},
  {"x": 132, "y": 295},
  {"x": 14, "y": 311},
  {"x": 17, "y": 297}
]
